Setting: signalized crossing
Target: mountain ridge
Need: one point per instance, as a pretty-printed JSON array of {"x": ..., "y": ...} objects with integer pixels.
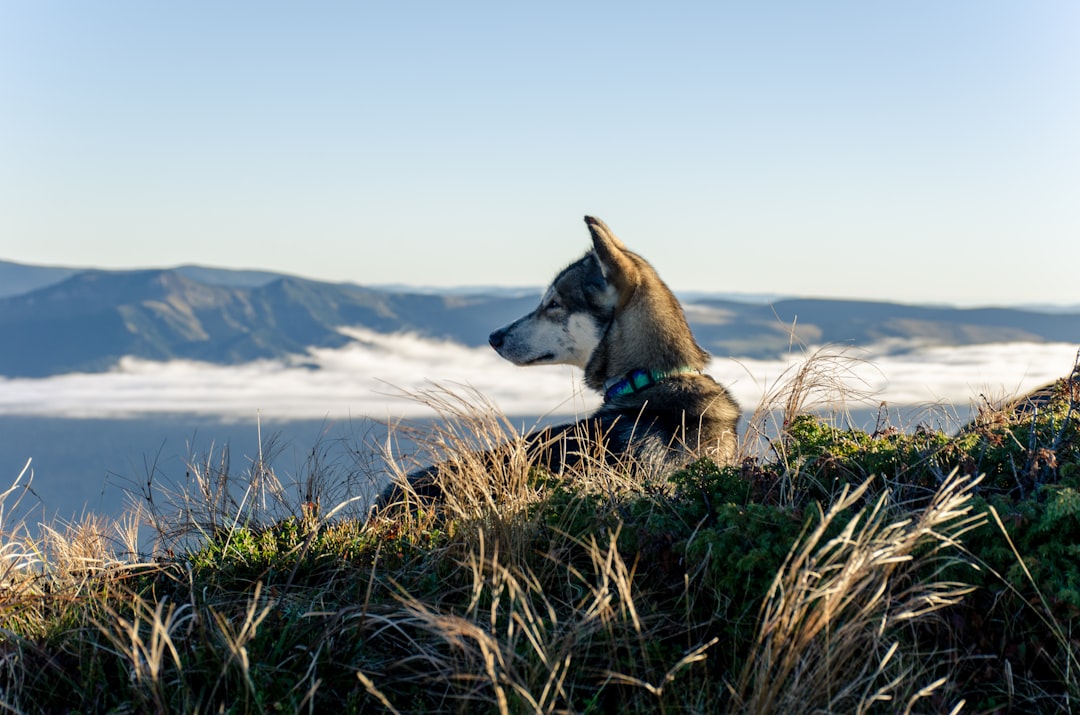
[{"x": 88, "y": 320}]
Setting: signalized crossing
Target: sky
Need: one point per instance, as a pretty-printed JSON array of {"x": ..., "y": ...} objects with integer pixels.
[{"x": 921, "y": 151}]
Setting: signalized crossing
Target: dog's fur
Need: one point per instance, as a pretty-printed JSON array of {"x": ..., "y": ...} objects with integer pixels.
[{"x": 610, "y": 314}]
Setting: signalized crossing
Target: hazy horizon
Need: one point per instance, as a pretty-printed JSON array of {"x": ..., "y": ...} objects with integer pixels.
[{"x": 538, "y": 288}]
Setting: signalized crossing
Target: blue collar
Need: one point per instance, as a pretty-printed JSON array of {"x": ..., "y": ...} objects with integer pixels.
[{"x": 638, "y": 380}]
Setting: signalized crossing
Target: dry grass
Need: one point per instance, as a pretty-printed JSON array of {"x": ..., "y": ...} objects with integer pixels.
[
  {"x": 468, "y": 430},
  {"x": 828, "y": 635},
  {"x": 519, "y": 646},
  {"x": 486, "y": 473},
  {"x": 522, "y": 592},
  {"x": 824, "y": 379}
]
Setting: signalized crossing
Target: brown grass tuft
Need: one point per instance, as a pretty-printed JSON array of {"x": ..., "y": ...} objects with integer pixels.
[{"x": 828, "y": 639}]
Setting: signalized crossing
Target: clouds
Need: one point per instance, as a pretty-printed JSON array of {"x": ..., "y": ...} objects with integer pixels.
[
  {"x": 368, "y": 377},
  {"x": 371, "y": 376},
  {"x": 918, "y": 376}
]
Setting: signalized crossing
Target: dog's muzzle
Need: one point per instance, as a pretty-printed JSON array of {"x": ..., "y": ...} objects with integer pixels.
[{"x": 497, "y": 338}]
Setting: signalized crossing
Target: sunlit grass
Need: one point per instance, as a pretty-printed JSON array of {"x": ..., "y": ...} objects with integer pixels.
[{"x": 829, "y": 570}]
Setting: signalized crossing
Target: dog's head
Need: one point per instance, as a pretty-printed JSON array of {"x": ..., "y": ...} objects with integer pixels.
[
  {"x": 608, "y": 313},
  {"x": 569, "y": 324}
]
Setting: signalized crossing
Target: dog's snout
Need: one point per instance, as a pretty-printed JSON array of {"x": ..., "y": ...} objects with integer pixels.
[{"x": 496, "y": 339}]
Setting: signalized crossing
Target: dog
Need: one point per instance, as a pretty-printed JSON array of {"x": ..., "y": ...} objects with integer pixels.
[{"x": 610, "y": 314}]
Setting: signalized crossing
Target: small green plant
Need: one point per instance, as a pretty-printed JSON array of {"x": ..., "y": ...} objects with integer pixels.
[{"x": 829, "y": 570}]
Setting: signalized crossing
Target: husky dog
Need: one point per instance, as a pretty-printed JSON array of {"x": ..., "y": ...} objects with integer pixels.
[{"x": 611, "y": 315}]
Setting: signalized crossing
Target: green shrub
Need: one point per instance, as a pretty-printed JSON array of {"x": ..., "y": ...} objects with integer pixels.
[{"x": 595, "y": 591}]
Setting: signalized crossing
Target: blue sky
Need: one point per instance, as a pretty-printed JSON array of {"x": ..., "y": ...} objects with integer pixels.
[{"x": 917, "y": 151}]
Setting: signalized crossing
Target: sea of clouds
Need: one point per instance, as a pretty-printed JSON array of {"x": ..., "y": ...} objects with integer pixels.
[{"x": 374, "y": 375}]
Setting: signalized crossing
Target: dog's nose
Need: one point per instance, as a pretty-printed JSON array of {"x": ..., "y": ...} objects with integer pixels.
[{"x": 496, "y": 339}]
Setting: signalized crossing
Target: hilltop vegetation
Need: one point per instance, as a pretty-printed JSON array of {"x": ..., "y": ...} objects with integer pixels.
[{"x": 901, "y": 570}]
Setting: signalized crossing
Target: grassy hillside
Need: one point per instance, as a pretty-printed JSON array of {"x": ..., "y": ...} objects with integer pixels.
[{"x": 832, "y": 570}]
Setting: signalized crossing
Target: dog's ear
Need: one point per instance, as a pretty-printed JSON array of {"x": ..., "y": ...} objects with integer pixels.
[{"x": 618, "y": 268}]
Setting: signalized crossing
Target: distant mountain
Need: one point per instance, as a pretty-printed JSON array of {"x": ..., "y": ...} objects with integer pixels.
[
  {"x": 763, "y": 331},
  {"x": 228, "y": 276},
  {"x": 17, "y": 278},
  {"x": 87, "y": 320},
  {"x": 92, "y": 319}
]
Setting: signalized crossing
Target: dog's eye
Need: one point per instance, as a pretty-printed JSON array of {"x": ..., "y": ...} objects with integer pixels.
[{"x": 554, "y": 304}]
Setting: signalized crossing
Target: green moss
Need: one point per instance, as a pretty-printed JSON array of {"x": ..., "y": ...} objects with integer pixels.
[{"x": 333, "y": 599}]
